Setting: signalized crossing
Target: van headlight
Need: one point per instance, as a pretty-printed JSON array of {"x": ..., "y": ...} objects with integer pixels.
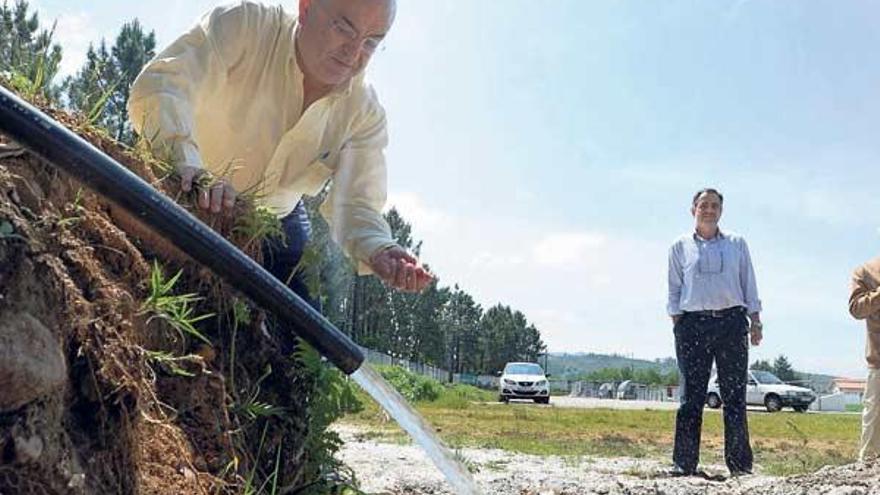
[{"x": 509, "y": 382}]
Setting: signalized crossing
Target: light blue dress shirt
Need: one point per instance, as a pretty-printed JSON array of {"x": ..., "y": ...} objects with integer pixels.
[{"x": 712, "y": 273}]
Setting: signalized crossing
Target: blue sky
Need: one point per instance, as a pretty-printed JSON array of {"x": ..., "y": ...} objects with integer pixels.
[{"x": 546, "y": 152}]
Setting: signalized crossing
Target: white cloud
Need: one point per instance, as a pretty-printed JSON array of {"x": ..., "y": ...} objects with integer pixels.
[
  {"x": 74, "y": 32},
  {"x": 486, "y": 260},
  {"x": 422, "y": 217},
  {"x": 568, "y": 249}
]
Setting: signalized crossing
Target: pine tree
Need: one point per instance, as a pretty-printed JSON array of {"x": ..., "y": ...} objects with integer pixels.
[
  {"x": 100, "y": 89},
  {"x": 783, "y": 370},
  {"x": 28, "y": 57}
]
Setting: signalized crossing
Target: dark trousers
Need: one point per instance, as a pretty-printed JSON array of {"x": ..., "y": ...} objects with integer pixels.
[
  {"x": 282, "y": 255},
  {"x": 698, "y": 341}
]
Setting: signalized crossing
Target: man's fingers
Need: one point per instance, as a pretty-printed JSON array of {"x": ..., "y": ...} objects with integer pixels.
[
  {"x": 186, "y": 178},
  {"x": 204, "y": 198},
  {"x": 399, "y": 274},
  {"x": 229, "y": 195},
  {"x": 217, "y": 197}
]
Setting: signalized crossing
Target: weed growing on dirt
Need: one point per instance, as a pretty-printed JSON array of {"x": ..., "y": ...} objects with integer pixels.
[
  {"x": 75, "y": 210},
  {"x": 335, "y": 397},
  {"x": 241, "y": 315},
  {"x": 170, "y": 362},
  {"x": 256, "y": 224},
  {"x": 252, "y": 408},
  {"x": 175, "y": 309},
  {"x": 462, "y": 459}
]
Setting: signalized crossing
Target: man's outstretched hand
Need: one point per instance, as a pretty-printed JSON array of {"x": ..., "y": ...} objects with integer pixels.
[{"x": 400, "y": 270}]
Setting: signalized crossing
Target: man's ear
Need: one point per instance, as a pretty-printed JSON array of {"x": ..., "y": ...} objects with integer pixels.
[{"x": 304, "y": 8}]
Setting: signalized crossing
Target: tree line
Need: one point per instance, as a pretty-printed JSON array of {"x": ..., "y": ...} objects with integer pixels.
[{"x": 442, "y": 326}]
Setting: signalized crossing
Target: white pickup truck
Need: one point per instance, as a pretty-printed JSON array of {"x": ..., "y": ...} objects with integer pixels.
[{"x": 765, "y": 389}]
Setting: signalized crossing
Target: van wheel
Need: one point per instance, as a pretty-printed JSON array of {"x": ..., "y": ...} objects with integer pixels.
[
  {"x": 503, "y": 399},
  {"x": 713, "y": 401},
  {"x": 772, "y": 403}
]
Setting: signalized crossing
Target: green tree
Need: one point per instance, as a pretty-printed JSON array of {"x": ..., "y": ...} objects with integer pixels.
[
  {"x": 763, "y": 365},
  {"x": 27, "y": 54},
  {"x": 461, "y": 327},
  {"x": 508, "y": 336},
  {"x": 782, "y": 369},
  {"x": 101, "y": 88}
]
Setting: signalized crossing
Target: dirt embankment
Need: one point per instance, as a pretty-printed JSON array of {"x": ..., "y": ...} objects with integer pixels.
[{"x": 99, "y": 396}]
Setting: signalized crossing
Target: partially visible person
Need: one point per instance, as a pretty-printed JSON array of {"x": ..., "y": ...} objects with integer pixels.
[
  {"x": 864, "y": 304},
  {"x": 715, "y": 310},
  {"x": 277, "y": 103}
]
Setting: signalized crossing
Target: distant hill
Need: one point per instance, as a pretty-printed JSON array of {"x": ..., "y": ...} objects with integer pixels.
[{"x": 570, "y": 365}]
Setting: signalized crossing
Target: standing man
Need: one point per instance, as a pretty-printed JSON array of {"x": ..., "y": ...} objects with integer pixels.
[
  {"x": 276, "y": 104},
  {"x": 864, "y": 304},
  {"x": 711, "y": 291}
]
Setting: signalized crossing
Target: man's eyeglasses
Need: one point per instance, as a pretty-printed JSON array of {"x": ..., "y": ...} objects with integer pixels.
[{"x": 343, "y": 28}]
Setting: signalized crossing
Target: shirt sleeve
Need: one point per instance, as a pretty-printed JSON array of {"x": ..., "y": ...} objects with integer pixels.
[
  {"x": 863, "y": 301},
  {"x": 353, "y": 207},
  {"x": 164, "y": 95},
  {"x": 675, "y": 281},
  {"x": 748, "y": 281}
]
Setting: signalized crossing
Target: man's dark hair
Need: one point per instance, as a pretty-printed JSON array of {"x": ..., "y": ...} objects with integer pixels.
[{"x": 705, "y": 191}]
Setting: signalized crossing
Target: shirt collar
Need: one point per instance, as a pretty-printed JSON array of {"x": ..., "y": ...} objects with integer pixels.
[{"x": 720, "y": 235}]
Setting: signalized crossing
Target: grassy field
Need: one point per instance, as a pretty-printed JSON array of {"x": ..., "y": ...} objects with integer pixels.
[{"x": 784, "y": 443}]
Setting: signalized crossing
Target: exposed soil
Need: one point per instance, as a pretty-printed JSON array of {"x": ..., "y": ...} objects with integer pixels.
[{"x": 84, "y": 409}]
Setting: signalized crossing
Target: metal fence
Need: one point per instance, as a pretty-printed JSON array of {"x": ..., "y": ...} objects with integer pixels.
[
  {"x": 376, "y": 357},
  {"x": 439, "y": 374},
  {"x": 488, "y": 382},
  {"x": 629, "y": 391}
]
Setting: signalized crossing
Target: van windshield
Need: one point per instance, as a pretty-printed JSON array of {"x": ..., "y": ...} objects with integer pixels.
[{"x": 523, "y": 369}]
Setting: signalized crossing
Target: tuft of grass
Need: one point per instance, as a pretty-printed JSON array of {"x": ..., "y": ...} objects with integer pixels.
[
  {"x": 175, "y": 309},
  {"x": 76, "y": 209},
  {"x": 411, "y": 386},
  {"x": 252, "y": 408},
  {"x": 462, "y": 459},
  {"x": 170, "y": 362},
  {"x": 241, "y": 315},
  {"x": 257, "y": 224}
]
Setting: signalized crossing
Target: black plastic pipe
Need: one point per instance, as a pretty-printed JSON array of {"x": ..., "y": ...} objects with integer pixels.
[{"x": 64, "y": 149}]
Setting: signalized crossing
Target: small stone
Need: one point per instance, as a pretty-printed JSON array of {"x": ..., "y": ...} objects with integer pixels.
[
  {"x": 31, "y": 362},
  {"x": 207, "y": 353},
  {"x": 200, "y": 463},
  {"x": 188, "y": 474},
  {"x": 28, "y": 450},
  {"x": 77, "y": 481}
]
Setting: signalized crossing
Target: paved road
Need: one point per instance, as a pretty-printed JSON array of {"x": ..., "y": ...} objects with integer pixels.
[{"x": 593, "y": 403}]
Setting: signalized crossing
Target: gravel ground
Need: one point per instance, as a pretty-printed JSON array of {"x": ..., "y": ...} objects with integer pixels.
[{"x": 384, "y": 468}]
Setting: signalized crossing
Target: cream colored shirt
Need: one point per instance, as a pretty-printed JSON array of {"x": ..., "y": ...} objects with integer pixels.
[{"x": 228, "y": 96}]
